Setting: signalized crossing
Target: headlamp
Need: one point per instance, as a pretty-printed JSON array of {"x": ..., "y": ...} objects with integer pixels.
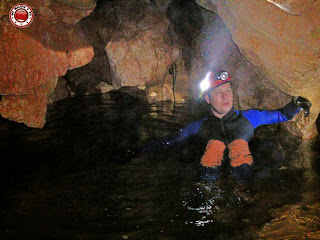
[
  {"x": 223, "y": 76},
  {"x": 212, "y": 80},
  {"x": 205, "y": 83}
]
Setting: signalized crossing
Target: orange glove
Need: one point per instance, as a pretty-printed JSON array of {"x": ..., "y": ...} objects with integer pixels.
[
  {"x": 239, "y": 153},
  {"x": 214, "y": 154}
]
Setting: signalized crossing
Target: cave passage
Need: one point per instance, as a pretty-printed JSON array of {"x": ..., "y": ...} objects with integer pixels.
[{"x": 60, "y": 182}]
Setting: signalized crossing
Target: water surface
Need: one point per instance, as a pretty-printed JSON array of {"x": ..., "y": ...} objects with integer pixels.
[{"x": 60, "y": 182}]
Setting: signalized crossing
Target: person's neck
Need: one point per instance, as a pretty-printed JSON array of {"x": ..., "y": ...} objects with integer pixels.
[{"x": 218, "y": 115}]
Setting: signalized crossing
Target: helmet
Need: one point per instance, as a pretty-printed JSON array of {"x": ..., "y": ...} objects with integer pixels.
[{"x": 213, "y": 80}]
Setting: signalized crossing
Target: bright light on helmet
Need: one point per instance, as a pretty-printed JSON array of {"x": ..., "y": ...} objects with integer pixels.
[
  {"x": 212, "y": 80},
  {"x": 205, "y": 83},
  {"x": 223, "y": 76}
]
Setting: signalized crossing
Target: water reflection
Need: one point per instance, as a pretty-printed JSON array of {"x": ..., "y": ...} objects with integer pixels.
[
  {"x": 71, "y": 188},
  {"x": 206, "y": 199}
]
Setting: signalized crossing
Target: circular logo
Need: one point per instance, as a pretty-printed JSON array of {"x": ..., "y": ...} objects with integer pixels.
[{"x": 21, "y": 15}]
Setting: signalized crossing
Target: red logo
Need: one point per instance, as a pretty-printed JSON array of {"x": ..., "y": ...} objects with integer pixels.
[{"x": 21, "y": 15}]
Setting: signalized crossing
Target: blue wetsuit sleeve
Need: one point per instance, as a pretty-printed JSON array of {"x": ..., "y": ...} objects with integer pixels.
[
  {"x": 191, "y": 128},
  {"x": 184, "y": 133},
  {"x": 261, "y": 117}
]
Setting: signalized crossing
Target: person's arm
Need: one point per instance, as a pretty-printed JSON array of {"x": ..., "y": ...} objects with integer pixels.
[
  {"x": 172, "y": 141},
  {"x": 125, "y": 155},
  {"x": 286, "y": 113}
]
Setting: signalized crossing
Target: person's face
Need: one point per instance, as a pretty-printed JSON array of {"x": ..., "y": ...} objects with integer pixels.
[{"x": 221, "y": 100}]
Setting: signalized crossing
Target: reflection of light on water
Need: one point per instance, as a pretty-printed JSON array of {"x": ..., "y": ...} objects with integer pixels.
[
  {"x": 207, "y": 199},
  {"x": 199, "y": 223},
  {"x": 203, "y": 201}
]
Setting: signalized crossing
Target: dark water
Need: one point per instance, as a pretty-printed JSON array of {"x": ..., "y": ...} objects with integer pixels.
[{"x": 60, "y": 182}]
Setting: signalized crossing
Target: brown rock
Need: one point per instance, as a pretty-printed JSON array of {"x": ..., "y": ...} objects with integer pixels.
[
  {"x": 284, "y": 48},
  {"x": 29, "y": 108},
  {"x": 72, "y": 11},
  {"x": 293, "y": 222},
  {"x": 33, "y": 58},
  {"x": 143, "y": 55},
  {"x": 25, "y": 63},
  {"x": 294, "y": 7}
]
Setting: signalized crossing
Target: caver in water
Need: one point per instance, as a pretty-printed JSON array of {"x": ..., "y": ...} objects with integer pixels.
[{"x": 224, "y": 134}]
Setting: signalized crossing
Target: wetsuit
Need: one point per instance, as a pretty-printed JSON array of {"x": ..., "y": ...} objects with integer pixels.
[
  {"x": 235, "y": 129},
  {"x": 234, "y": 125}
]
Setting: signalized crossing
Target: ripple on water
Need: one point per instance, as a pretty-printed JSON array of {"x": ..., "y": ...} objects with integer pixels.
[{"x": 71, "y": 179}]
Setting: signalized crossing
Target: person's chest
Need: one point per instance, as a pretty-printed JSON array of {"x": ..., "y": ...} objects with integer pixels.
[{"x": 227, "y": 129}]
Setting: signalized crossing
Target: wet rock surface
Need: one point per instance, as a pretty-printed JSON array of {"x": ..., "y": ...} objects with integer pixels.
[
  {"x": 281, "y": 46},
  {"x": 73, "y": 190},
  {"x": 33, "y": 58},
  {"x": 98, "y": 46},
  {"x": 293, "y": 222}
]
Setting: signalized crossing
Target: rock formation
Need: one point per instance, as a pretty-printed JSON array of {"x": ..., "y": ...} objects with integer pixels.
[
  {"x": 281, "y": 39},
  {"x": 33, "y": 58},
  {"x": 271, "y": 48},
  {"x": 142, "y": 53}
]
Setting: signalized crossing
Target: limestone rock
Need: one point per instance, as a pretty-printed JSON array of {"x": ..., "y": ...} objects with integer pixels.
[
  {"x": 293, "y": 222},
  {"x": 60, "y": 92},
  {"x": 284, "y": 48},
  {"x": 33, "y": 58},
  {"x": 72, "y": 11},
  {"x": 29, "y": 108},
  {"x": 294, "y": 7},
  {"x": 104, "y": 87},
  {"x": 143, "y": 55}
]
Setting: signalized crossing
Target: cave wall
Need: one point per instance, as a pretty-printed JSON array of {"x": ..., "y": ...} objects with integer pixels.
[
  {"x": 281, "y": 39},
  {"x": 135, "y": 44},
  {"x": 146, "y": 41},
  {"x": 33, "y": 58},
  {"x": 217, "y": 50},
  {"x": 270, "y": 48}
]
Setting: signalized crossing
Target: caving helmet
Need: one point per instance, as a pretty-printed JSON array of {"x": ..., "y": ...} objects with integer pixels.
[{"x": 213, "y": 80}]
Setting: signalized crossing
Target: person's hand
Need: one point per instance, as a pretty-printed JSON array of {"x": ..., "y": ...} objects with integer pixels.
[
  {"x": 303, "y": 103},
  {"x": 124, "y": 155}
]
